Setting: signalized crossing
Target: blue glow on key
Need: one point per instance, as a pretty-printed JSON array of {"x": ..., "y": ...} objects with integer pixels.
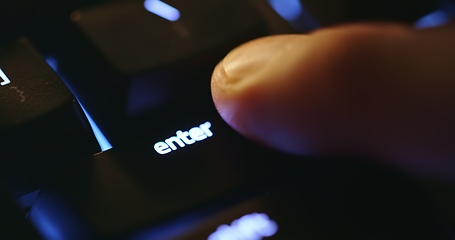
[
  {"x": 45, "y": 226},
  {"x": 27, "y": 200},
  {"x": 433, "y": 19},
  {"x": 102, "y": 140},
  {"x": 253, "y": 226},
  {"x": 52, "y": 62},
  {"x": 162, "y": 9},
  {"x": 287, "y": 9}
]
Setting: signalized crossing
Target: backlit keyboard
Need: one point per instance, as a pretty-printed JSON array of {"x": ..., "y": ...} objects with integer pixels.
[{"x": 108, "y": 129}]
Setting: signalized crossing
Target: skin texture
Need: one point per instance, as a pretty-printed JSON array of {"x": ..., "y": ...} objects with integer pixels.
[{"x": 384, "y": 91}]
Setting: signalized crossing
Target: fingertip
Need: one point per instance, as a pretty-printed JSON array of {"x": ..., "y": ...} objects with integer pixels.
[
  {"x": 242, "y": 80},
  {"x": 292, "y": 92},
  {"x": 370, "y": 90}
]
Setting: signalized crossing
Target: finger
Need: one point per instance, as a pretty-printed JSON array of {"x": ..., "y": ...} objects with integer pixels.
[{"x": 385, "y": 91}]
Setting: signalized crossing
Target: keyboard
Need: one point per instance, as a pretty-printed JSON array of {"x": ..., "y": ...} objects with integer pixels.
[{"x": 109, "y": 130}]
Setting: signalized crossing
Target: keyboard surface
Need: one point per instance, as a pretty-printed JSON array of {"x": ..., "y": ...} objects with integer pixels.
[{"x": 109, "y": 130}]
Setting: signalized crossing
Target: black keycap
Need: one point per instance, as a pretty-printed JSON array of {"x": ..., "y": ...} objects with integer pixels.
[
  {"x": 181, "y": 168},
  {"x": 135, "y": 40},
  {"x": 40, "y": 119},
  {"x": 127, "y": 65},
  {"x": 291, "y": 213}
]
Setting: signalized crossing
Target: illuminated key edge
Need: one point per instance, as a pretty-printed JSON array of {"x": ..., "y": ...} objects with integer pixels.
[
  {"x": 100, "y": 138},
  {"x": 433, "y": 19},
  {"x": 290, "y": 10},
  {"x": 162, "y": 9}
]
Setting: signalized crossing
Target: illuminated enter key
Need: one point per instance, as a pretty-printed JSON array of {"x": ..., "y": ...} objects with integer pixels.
[{"x": 182, "y": 170}]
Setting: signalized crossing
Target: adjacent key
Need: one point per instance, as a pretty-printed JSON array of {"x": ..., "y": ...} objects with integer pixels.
[
  {"x": 138, "y": 36},
  {"x": 40, "y": 118},
  {"x": 297, "y": 213}
]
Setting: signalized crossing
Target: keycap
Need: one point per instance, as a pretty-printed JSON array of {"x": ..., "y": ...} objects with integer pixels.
[
  {"x": 120, "y": 201},
  {"x": 183, "y": 167},
  {"x": 290, "y": 213},
  {"x": 134, "y": 38},
  {"x": 127, "y": 65},
  {"x": 40, "y": 118}
]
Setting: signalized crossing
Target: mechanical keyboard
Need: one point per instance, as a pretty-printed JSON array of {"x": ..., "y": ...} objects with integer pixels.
[{"x": 109, "y": 130}]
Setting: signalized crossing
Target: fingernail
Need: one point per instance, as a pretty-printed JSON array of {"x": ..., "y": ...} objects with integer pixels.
[{"x": 255, "y": 57}]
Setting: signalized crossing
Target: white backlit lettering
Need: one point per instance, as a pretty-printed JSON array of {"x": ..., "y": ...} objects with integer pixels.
[
  {"x": 162, "y": 148},
  {"x": 184, "y": 138},
  {"x": 253, "y": 226},
  {"x": 5, "y": 79},
  {"x": 197, "y": 134}
]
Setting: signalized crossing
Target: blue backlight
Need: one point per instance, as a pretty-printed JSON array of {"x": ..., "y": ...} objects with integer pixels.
[
  {"x": 253, "y": 226},
  {"x": 162, "y": 9},
  {"x": 433, "y": 19},
  {"x": 46, "y": 225},
  {"x": 287, "y": 9},
  {"x": 102, "y": 140},
  {"x": 52, "y": 62}
]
